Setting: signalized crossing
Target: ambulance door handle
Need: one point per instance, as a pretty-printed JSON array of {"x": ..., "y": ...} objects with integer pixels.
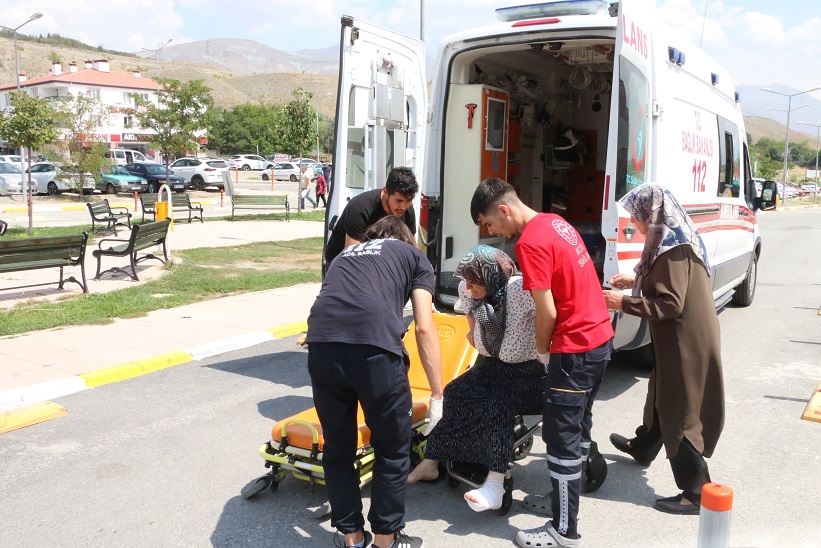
[
  {"x": 449, "y": 247},
  {"x": 629, "y": 230}
]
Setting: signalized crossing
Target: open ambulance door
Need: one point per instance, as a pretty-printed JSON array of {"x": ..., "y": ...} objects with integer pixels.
[
  {"x": 380, "y": 112},
  {"x": 628, "y": 153}
]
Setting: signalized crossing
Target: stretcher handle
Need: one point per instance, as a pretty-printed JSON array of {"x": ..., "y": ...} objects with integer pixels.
[{"x": 309, "y": 425}]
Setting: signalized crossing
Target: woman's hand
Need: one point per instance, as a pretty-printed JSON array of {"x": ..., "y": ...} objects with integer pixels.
[
  {"x": 623, "y": 281},
  {"x": 613, "y": 299},
  {"x": 471, "y": 340}
]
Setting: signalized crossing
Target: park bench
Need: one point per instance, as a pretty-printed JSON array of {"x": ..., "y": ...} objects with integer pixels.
[
  {"x": 101, "y": 212},
  {"x": 45, "y": 252},
  {"x": 3, "y": 226},
  {"x": 179, "y": 202},
  {"x": 275, "y": 202},
  {"x": 142, "y": 237}
]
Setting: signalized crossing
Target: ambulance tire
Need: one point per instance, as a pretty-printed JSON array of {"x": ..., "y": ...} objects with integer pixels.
[{"x": 745, "y": 291}]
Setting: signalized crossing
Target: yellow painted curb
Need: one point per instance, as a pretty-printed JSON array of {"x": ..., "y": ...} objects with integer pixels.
[
  {"x": 290, "y": 329},
  {"x": 72, "y": 208},
  {"x": 135, "y": 369},
  {"x": 31, "y": 414},
  {"x": 15, "y": 209}
]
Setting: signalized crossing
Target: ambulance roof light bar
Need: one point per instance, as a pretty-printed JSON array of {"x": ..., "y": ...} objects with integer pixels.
[{"x": 551, "y": 9}]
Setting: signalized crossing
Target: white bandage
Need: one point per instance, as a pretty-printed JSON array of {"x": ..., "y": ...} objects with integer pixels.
[{"x": 434, "y": 415}]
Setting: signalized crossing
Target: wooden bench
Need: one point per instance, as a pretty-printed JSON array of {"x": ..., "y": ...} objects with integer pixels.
[
  {"x": 261, "y": 201},
  {"x": 101, "y": 213},
  {"x": 45, "y": 252},
  {"x": 3, "y": 226},
  {"x": 142, "y": 237},
  {"x": 179, "y": 202}
]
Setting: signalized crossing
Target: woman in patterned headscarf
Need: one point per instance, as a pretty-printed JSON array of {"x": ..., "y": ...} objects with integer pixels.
[
  {"x": 507, "y": 380},
  {"x": 672, "y": 290}
]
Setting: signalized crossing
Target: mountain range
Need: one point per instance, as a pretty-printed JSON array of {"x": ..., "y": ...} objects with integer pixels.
[{"x": 241, "y": 71}]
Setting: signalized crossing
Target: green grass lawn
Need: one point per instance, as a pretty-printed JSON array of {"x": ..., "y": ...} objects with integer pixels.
[{"x": 205, "y": 273}]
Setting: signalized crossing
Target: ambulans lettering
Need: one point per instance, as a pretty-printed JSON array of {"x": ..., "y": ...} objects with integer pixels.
[{"x": 635, "y": 37}]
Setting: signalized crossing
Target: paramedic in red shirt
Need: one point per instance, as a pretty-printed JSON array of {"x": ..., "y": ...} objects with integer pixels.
[{"x": 573, "y": 337}]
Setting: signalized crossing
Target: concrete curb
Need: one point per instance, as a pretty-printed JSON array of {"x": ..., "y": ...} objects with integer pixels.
[{"x": 26, "y": 406}]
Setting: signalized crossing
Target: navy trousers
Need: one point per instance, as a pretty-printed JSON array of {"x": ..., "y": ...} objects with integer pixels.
[
  {"x": 343, "y": 375},
  {"x": 571, "y": 386}
]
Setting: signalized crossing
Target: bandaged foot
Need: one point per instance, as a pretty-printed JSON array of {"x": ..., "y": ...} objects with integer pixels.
[
  {"x": 489, "y": 495},
  {"x": 427, "y": 470}
]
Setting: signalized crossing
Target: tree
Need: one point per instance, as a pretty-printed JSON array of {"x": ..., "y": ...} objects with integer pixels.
[
  {"x": 81, "y": 117},
  {"x": 297, "y": 123},
  {"x": 246, "y": 128},
  {"x": 30, "y": 124},
  {"x": 181, "y": 113}
]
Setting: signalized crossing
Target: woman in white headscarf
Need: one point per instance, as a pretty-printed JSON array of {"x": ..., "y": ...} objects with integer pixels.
[{"x": 672, "y": 289}]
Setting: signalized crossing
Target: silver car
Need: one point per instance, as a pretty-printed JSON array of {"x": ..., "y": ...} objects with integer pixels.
[{"x": 54, "y": 179}]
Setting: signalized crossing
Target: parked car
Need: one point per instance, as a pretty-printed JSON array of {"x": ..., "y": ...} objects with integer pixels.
[
  {"x": 11, "y": 180},
  {"x": 285, "y": 171},
  {"x": 19, "y": 162},
  {"x": 155, "y": 175},
  {"x": 810, "y": 187},
  {"x": 200, "y": 172},
  {"x": 117, "y": 178},
  {"x": 791, "y": 193},
  {"x": 54, "y": 178},
  {"x": 124, "y": 156},
  {"x": 247, "y": 162}
]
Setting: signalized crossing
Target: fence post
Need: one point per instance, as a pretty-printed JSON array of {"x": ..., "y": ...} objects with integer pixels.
[
  {"x": 714, "y": 517},
  {"x": 222, "y": 195},
  {"x": 135, "y": 201}
]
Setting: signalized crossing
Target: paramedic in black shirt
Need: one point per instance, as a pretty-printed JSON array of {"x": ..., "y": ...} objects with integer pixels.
[
  {"x": 356, "y": 355},
  {"x": 365, "y": 209}
]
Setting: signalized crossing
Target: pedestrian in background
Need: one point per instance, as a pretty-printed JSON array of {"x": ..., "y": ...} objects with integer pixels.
[
  {"x": 305, "y": 187},
  {"x": 326, "y": 172},
  {"x": 573, "y": 337},
  {"x": 321, "y": 190},
  {"x": 684, "y": 409}
]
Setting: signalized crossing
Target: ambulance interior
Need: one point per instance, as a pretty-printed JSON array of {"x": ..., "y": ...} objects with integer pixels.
[{"x": 537, "y": 116}]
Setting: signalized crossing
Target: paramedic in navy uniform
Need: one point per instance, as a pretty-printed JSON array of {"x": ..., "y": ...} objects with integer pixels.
[
  {"x": 356, "y": 355},
  {"x": 396, "y": 198}
]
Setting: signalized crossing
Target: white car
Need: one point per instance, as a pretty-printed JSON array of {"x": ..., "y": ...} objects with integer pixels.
[
  {"x": 285, "y": 171},
  {"x": 19, "y": 162},
  {"x": 247, "y": 162},
  {"x": 53, "y": 179},
  {"x": 200, "y": 172},
  {"x": 11, "y": 180}
]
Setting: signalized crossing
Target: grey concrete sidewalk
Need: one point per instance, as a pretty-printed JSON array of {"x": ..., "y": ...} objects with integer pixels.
[{"x": 41, "y": 365}]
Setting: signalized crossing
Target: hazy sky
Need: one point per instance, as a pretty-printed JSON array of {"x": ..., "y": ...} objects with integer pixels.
[{"x": 759, "y": 41}]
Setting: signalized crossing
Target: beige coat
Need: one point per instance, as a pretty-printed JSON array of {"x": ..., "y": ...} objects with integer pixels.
[{"x": 686, "y": 386}]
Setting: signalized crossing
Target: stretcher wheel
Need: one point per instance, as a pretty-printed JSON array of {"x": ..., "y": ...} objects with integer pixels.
[
  {"x": 507, "y": 498},
  {"x": 452, "y": 482},
  {"x": 522, "y": 450},
  {"x": 257, "y": 486},
  {"x": 274, "y": 485},
  {"x": 323, "y": 511}
]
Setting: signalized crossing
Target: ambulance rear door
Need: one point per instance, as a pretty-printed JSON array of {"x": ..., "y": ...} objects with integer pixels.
[
  {"x": 629, "y": 153},
  {"x": 380, "y": 112}
]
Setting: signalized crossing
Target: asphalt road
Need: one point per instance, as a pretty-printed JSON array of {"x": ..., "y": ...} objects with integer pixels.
[{"x": 160, "y": 460}]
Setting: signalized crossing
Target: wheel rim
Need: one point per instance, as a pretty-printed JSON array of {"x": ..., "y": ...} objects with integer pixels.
[
  {"x": 152, "y": 187},
  {"x": 752, "y": 276},
  {"x": 110, "y": 189},
  {"x": 52, "y": 190},
  {"x": 246, "y": 168},
  {"x": 293, "y": 178}
]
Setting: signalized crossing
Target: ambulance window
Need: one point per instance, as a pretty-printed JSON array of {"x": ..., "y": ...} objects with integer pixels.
[
  {"x": 633, "y": 127},
  {"x": 750, "y": 191},
  {"x": 729, "y": 179}
]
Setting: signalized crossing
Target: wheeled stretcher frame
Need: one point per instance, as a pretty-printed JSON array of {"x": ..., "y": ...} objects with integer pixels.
[{"x": 297, "y": 442}]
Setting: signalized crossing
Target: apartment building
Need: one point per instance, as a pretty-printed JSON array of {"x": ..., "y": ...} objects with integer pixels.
[{"x": 95, "y": 79}]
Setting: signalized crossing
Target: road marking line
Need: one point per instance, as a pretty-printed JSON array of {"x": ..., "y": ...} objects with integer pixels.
[
  {"x": 33, "y": 414},
  {"x": 135, "y": 368}
]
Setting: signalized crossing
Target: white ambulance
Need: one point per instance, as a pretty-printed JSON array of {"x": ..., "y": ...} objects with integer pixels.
[{"x": 573, "y": 102}]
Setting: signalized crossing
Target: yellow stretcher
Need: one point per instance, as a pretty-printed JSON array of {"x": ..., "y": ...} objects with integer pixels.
[{"x": 298, "y": 451}]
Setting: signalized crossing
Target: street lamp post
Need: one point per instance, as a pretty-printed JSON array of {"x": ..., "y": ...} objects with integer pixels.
[
  {"x": 26, "y": 188},
  {"x": 316, "y": 110},
  {"x": 156, "y": 53},
  {"x": 817, "y": 134},
  {"x": 789, "y": 97}
]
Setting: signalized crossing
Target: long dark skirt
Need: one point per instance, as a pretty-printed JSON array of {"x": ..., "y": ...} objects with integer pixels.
[{"x": 479, "y": 412}]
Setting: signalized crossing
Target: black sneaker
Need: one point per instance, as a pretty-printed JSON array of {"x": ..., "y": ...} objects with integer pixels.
[{"x": 406, "y": 541}]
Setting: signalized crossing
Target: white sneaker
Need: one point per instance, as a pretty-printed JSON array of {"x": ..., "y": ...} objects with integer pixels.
[{"x": 544, "y": 537}]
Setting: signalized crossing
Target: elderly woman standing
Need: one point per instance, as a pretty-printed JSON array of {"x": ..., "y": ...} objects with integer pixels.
[
  {"x": 481, "y": 405},
  {"x": 684, "y": 410}
]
